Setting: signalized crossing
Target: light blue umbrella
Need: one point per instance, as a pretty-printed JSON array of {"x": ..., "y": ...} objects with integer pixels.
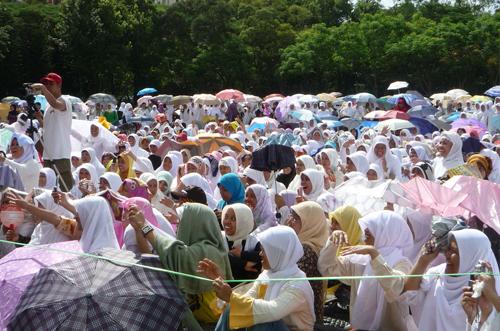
[
  {"x": 496, "y": 123},
  {"x": 453, "y": 116},
  {"x": 493, "y": 91},
  {"x": 146, "y": 91},
  {"x": 422, "y": 111},
  {"x": 409, "y": 98},
  {"x": 331, "y": 124},
  {"x": 303, "y": 115}
]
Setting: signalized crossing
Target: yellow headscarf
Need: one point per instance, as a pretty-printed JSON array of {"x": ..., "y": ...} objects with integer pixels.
[
  {"x": 130, "y": 173},
  {"x": 483, "y": 161},
  {"x": 347, "y": 217},
  {"x": 314, "y": 230}
]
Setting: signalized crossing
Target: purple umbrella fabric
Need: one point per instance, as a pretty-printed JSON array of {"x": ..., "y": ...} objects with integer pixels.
[
  {"x": 463, "y": 122},
  {"x": 18, "y": 268}
]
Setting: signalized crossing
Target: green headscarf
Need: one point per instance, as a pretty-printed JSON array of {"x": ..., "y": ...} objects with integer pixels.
[
  {"x": 167, "y": 177},
  {"x": 198, "y": 237}
]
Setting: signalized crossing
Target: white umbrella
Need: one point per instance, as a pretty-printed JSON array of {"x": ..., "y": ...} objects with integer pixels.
[
  {"x": 456, "y": 93},
  {"x": 394, "y": 124},
  {"x": 206, "y": 99},
  {"x": 145, "y": 99},
  {"x": 252, "y": 98},
  {"x": 308, "y": 98},
  {"x": 364, "y": 97},
  {"x": 440, "y": 96},
  {"x": 397, "y": 85}
]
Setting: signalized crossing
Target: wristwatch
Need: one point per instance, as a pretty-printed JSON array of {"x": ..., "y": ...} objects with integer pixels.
[{"x": 146, "y": 229}]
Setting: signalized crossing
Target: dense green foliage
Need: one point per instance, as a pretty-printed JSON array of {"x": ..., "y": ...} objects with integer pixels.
[{"x": 258, "y": 46}]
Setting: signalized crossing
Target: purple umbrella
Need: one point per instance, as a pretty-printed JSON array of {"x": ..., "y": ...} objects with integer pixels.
[
  {"x": 463, "y": 122},
  {"x": 18, "y": 268}
]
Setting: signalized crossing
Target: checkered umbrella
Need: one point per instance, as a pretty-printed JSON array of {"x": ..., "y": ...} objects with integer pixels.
[{"x": 87, "y": 293}]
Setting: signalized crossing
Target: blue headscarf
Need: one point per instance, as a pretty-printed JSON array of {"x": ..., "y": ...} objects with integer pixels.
[{"x": 232, "y": 183}]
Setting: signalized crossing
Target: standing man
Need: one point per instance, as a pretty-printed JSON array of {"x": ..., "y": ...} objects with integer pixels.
[{"x": 56, "y": 124}]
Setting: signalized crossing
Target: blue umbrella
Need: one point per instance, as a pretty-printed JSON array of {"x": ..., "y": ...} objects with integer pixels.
[
  {"x": 423, "y": 125},
  {"x": 146, "y": 91},
  {"x": 493, "y": 92},
  {"x": 495, "y": 122},
  {"x": 453, "y": 116},
  {"x": 303, "y": 115},
  {"x": 407, "y": 96},
  {"x": 368, "y": 124},
  {"x": 422, "y": 111},
  {"x": 333, "y": 123}
]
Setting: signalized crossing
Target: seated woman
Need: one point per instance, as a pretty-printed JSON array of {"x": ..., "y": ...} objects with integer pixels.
[
  {"x": 111, "y": 181},
  {"x": 313, "y": 188},
  {"x": 268, "y": 304},
  {"x": 47, "y": 179},
  {"x": 374, "y": 302},
  {"x": 357, "y": 161},
  {"x": 134, "y": 187},
  {"x": 308, "y": 221},
  {"x": 244, "y": 248},
  {"x": 449, "y": 153},
  {"x": 87, "y": 181},
  {"x": 437, "y": 297},
  {"x": 303, "y": 162},
  {"x": 380, "y": 153},
  {"x": 231, "y": 190},
  {"x": 198, "y": 237},
  {"x": 257, "y": 198},
  {"x": 423, "y": 170}
]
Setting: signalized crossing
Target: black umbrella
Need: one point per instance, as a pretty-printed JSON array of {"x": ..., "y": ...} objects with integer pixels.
[
  {"x": 273, "y": 157},
  {"x": 87, "y": 293}
]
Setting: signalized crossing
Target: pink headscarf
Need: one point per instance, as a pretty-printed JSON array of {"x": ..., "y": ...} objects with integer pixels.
[{"x": 144, "y": 206}]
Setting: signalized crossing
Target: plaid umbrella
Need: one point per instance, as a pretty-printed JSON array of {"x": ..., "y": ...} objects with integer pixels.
[{"x": 87, "y": 293}]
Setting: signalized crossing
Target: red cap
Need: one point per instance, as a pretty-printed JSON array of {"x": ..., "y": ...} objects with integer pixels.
[{"x": 51, "y": 77}]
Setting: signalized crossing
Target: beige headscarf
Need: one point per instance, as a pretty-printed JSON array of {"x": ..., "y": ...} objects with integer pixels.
[{"x": 314, "y": 230}]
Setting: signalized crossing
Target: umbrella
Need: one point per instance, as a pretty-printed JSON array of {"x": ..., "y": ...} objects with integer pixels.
[
  {"x": 493, "y": 91},
  {"x": 18, "y": 268},
  {"x": 146, "y": 91},
  {"x": 274, "y": 96},
  {"x": 331, "y": 124},
  {"x": 375, "y": 115},
  {"x": 261, "y": 123},
  {"x": 252, "y": 98},
  {"x": 145, "y": 99},
  {"x": 5, "y": 137},
  {"x": 336, "y": 94},
  {"x": 409, "y": 98},
  {"x": 206, "y": 99},
  {"x": 440, "y": 96},
  {"x": 303, "y": 115},
  {"x": 287, "y": 139},
  {"x": 181, "y": 100},
  {"x": 368, "y": 124},
  {"x": 452, "y": 116},
  {"x": 422, "y": 111},
  {"x": 383, "y": 104},
  {"x": 20, "y": 103},
  {"x": 210, "y": 142},
  {"x": 273, "y": 157},
  {"x": 424, "y": 126},
  {"x": 88, "y": 293},
  {"x": 350, "y": 123},
  {"x": 82, "y": 129},
  {"x": 163, "y": 98},
  {"x": 495, "y": 122},
  {"x": 480, "y": 98},
  {"x": 364, "y": 97},
  {"x": 483, "y": 198},
  {"x": 396, "y": 114},
  {"x": 9, "y": 99},
  {"x": 470, "y": 129},
  {"x": 284, "y": 105},
  {"x": 456, "y": 93},
  {"x": 273, "y": 100},
  {"x": 231, "y": 94},
  {"x": 439, "y": 124},
  {"x": 326, "y": 97},
  {"x": 398, "y": 85},
  {"x": 308, "y": 98},
  {"x": 463, "y": 122},
  {"x": 394, "y": 124},
  {"x": 102, "y": 98}
]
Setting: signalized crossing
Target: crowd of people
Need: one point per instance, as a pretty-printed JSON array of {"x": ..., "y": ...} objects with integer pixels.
[{"x": 212, "y": 214}]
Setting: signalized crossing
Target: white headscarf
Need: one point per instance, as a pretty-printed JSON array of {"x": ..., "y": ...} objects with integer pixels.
[
  {"x": 29, "y": 151},
  {"x": 143, "y": 164},
  {"x": 264, "y": 215},
  {"x": 97, "y": 224},
  {"x": 380, "y": 173},
  {"x": 93, "y": 173},
  {"x": 332, "y": 156},
  {"x": 50, "y": 178},
  {"x": 454, "y": 157},
  {"x": 94, "y": 161},
  {"x": 113, "y": 180},
  {"x": 318, "y": 192},
  {"x": 283, "y": 250},
  {"x": 195, "y": 179},
  {"x": 442, "y": 309},
  {"x": 136, "y": 149},
  {"x": 244, "y": 221},
  {"x": 255, "y": 175},
  {"x": 360, "y": 162},
  {"x": 176, "y": 162},
  {"x": 392, "y": 235},
  {"x": 392, "y": 161},
  {"x": 308, "y": 163},
  {"x": 229, "y": 161}
]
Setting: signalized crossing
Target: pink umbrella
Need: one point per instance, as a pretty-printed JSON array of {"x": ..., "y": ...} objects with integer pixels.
[
  {"x": 396, "y": 114},
  {"x": 483, "y": 198},
  {"x": 471, "y": 129},
  {"x": 375, "y": 115},
  {"x": 18, "y": 268},
  {"x": 431, "y": 197},
  {"x": 231, "y": 94},
  {"x": 463, "y": 122}
]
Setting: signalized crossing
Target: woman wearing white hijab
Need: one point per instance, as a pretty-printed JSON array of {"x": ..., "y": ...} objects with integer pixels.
[
  {"x": 330, "y": 162},
  {"x": 303, "y": 162},
  {"x": 228, "y": 164},
  {"x": 94, "y": 140},
  {"x": 133, "y": 140},
  {"x": 253, "y": 176},
  {"x": 170, "y": 163},
  {"x": 357, "y": 161},
  {"x": 449, "y": 155},
  {"x": 268, "y": 304},
  {"x": 87, "y": 181},
  {"x": 257, "y": 197},
  {"x": 374, "y": 303},
  {"x": 92, "y": 159},
  {"x": 110, "y": 180},
  {"x": 47, "y": 179},
  {"x": 380, "y": 153},
  {"x": 195, "y": 179},
  {"x": 24, "y": 160},
  {"x": 313, "y": 188},
  {"x": 438, "y": 296},
  {"x": 375, "y": 173}
]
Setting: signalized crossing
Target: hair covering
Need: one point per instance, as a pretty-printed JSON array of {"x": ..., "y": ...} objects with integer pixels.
[
  {"x": 289, "y": 197},
  {"x": 94, "y": 161},
  {"x": 454, "y": 157},
  {"x": 378, "y": 170},
  {"x": 360, "y": 162},
  {"x": 198, "y": 237},
  {"x": 348, "y": 217},
  {"x": 135, "y": 148},
  {"x": 229, "y": 161},
  {"x": 392, "y": 161},
  {"x": 91, "y": 170},
  {"x": 129, "y": 173},
  {"x": 97, "y": 224},
  {"x": 29, "y": 151},
  {"x": 425, "y": 168},
  {"x": 263, "y": 212},
  {"x": 244, "y": 221},
  {"x": 442, "y": 308},
  {"x": 308, "y": 163},
  {"x": 286, "y": 179},
  {"x": 166, "y": 177},
  {"x": 143, "y": 164},
  {"x": 114, "y": 181},
  {"x": 314, "y": 231},
  {"x": 421, "y": 153},
  {"x": 392, "y": 235},
  {"x": 50, "y": 178},
  {"x": 332, "y": 156},
  {"x": 133, "y": 187},
  {"x": 283, "y": 250},
  {"x": 317, "y": 182},
  {"x": 472, "y": 145},
  {"x": 176, "y": 162},
  {"x": 256, "y": 175},
  {"x": 231, "y": 183},
  {"x": 483, "y": 161}
]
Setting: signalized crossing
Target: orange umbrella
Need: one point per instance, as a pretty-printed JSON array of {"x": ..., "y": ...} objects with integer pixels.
[
  {"x": 210, "y": 142},
  {"x": 231, "y": 94}
]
